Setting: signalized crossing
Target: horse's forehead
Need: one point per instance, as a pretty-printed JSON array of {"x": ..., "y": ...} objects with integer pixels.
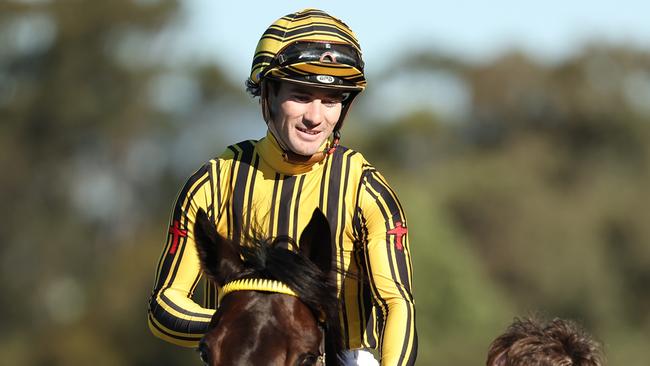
[
  {"x": 271, "y": 324},
  {"x": 298, "y": 323},
  {"x": 250, "y": 311},
  {"x": 253, "y": 304}
]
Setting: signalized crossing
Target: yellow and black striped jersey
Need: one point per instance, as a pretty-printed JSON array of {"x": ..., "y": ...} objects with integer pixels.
[{"x": 251, "y": 186}]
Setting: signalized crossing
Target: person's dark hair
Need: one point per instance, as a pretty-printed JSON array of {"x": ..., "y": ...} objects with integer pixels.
[
  {"x": 532, "y": 342},
  {"x": 253, "y": 88}
]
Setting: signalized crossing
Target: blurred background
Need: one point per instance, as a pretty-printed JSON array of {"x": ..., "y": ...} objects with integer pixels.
[{"x": 517, "y": 136}]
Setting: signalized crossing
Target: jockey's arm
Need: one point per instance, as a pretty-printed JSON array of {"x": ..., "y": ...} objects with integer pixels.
[
  {"x": 172, "y": 314},
  {"x": 389, "y": 261}
]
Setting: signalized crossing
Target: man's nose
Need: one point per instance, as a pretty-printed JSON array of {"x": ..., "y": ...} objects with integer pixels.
[{"x": 314, "y": 113}]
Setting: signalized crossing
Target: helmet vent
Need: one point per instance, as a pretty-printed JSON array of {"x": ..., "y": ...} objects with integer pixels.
[{"x": 328, "y": 58}]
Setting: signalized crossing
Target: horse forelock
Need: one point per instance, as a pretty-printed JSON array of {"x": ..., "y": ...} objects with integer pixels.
[{"x": 269, "y": 258}]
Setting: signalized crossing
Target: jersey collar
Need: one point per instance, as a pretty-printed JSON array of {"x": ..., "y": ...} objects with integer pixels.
[{"x": 270, "y": 151}]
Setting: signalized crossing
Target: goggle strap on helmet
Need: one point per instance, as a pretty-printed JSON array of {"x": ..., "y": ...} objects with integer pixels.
[
  {"x": 264, "y": 101},
  {"x": 344, "y": 111}
]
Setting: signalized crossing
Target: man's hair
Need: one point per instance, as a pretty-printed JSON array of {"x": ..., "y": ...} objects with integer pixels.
[
  {"x": 255, "y": 90},
  {"x": 252, "y": 88},
  {"x": 532, "y": 342}
]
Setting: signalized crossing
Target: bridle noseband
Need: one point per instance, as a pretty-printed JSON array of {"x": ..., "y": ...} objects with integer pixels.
[{"x": 265, "y": 285}]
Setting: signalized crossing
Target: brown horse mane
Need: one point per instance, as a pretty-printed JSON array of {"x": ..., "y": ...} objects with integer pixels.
[{"x": 268, "y": 258}]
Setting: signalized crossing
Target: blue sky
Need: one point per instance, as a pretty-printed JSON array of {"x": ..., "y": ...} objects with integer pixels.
[{"x": 475, "y": 30}]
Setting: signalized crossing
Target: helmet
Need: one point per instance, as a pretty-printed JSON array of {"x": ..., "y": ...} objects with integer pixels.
[
  {"x": 309, "y": 47},
  {"x": 313, "y": 48}
]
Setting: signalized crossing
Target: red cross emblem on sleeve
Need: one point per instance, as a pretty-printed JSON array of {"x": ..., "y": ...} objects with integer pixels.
[
  {"x": 399, "y": 231},
  {"x": 177, "y": 233}
]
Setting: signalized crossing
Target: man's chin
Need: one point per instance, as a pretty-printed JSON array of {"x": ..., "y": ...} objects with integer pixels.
[
  {"x": 304, "y": 151},
  {"x": 307, "y": 149}
]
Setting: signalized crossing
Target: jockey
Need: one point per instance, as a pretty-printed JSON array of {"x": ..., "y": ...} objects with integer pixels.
[{"x": 307, "y": 70}]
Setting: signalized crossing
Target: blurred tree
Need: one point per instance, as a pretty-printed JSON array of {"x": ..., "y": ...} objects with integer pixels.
[
  {"x": 545, "y": 180},
  {"x": 85, "y": 126},
  {"x": 533, "y": 198}
]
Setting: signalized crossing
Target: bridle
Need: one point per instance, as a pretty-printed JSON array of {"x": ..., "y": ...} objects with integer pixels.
[{"x": 265, "y": 285}]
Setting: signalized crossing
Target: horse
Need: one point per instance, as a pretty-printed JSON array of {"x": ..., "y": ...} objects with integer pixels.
[{"x": 277, "y": 306}]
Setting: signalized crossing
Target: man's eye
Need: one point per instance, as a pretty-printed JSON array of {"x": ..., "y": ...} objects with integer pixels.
[
  {"x": 302, "y": 98},
  {"x": 331, "y": 101},
  {"x": 308, "y": 360}
]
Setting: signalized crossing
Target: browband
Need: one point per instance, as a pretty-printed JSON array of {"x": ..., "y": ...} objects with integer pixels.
[
  {"x": 260, "y": 284},
  {"x": 257, "y": 284}
]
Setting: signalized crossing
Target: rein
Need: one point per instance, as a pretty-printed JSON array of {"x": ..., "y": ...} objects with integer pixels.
[{"x": 265, "y": 285}]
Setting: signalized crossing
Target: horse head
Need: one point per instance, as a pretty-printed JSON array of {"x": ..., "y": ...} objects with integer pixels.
[{"x": 277, "y": 306}]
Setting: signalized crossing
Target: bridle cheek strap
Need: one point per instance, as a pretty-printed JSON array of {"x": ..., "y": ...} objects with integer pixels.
[{"x": 321, "y": 360}]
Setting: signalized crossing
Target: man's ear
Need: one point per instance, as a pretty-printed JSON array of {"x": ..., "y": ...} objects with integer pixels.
[
  {"x": 316, "y": 241},
  {"x": 219, "y": 256}
]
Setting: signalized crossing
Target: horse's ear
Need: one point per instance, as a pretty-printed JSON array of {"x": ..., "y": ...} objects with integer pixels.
[
  {"x": 316, "y": 241},
  {"x": 219, "y": 256}
]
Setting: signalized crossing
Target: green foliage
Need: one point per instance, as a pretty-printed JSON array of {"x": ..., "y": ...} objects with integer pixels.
[
  {"x": 84, "y": 169},
  {"x": 544, "y": 189},
  {"x": 536, "y": 200}
]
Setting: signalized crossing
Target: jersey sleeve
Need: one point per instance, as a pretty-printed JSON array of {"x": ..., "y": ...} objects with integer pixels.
[
  {"x": 388, "y": 261},
  {"x": 172, "y": 314}
]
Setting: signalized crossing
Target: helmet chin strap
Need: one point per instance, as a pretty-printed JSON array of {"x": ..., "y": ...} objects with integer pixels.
[{"x": 291, "y": 157}]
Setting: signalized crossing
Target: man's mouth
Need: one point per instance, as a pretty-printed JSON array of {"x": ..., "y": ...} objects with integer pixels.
[{"x": 309, "y": 132}]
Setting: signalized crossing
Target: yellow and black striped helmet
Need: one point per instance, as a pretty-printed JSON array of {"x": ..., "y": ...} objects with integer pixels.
[{"x": 309, "y": 47}]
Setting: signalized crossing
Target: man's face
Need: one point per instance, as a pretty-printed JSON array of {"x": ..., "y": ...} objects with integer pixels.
[{"x": 304, "y": 117}]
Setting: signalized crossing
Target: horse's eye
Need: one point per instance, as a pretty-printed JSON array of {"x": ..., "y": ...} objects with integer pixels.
[
  {"x": 308, "y": 359},
  {"x": 204, "y": 357},
  {"x": 203, "y": 353}
]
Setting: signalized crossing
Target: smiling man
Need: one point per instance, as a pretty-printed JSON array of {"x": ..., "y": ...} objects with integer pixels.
[
  {"x": 304, "y": 117},
  {"x": 306, "y": 71}
]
